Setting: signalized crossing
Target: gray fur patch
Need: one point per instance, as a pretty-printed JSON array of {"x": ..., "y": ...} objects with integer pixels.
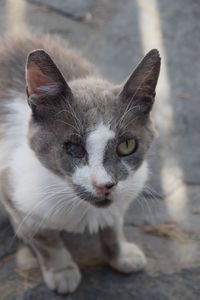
[
  {"x": 110, "y": 243},
  {"x": 113, "y": 163}
]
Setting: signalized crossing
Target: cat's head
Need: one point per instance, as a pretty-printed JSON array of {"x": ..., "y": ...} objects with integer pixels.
[{"x": 91, "y": 133}]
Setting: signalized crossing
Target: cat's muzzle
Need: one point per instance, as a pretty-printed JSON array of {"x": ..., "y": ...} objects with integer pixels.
[{"x": 102, "y": 200}]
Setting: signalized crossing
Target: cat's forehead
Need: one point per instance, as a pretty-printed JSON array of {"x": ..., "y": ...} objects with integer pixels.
[
  {"x": 94, "y": 102},
  {"x": 92, "y": 91}
]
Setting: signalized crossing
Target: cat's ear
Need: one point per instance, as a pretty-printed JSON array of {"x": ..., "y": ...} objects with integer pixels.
[
  {"x": 45, "y": 85},
  {"x": 140, "y": 87}
]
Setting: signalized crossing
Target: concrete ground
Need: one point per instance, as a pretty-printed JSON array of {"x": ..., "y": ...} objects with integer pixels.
[{"x": 165, "y": 221}]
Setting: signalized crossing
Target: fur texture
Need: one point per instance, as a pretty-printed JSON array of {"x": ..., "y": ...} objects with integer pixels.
[{"x": 60, "y": 152}]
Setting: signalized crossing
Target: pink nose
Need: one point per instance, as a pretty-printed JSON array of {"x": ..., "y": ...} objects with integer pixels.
[{"x": 103, "y": 189}]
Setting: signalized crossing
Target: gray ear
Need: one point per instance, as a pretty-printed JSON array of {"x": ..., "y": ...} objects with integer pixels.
[
  {"x": 141, "y": 85},
  {"x": 45, "y": 85}
]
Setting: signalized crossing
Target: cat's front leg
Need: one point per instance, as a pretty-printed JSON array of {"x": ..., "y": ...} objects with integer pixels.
[
  {"x": 121, "y": 255},
  {"x": 60, "y": 272}
]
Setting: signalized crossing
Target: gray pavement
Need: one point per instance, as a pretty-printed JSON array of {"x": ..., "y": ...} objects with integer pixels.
[{"x": 165, "y": 221}]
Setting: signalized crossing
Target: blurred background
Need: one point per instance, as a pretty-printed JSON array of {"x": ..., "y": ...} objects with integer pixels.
[{"x": 165, "y": 221}]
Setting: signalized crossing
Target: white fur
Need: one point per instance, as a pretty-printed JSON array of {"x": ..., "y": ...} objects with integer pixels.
[
  {"x": 51, "y": 89},
  {"x": 63, "y": 274},
  {"x": 94, "y": 172},
  {"x": 96, "y": 143},
  {"x": 14, "y": 129},
  {"x": 130, "y": 259},
  {"x": 63, "y": 281},
  {"x": 44, "y": 199}
]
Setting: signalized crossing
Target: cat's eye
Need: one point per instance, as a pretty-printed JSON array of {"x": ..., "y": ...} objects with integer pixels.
[
  {"x": 75, "y": 150},
  {"x": 127, "y": 147}
]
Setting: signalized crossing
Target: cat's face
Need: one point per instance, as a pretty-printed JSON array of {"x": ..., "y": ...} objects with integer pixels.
[{"x": 93, "y": 134}]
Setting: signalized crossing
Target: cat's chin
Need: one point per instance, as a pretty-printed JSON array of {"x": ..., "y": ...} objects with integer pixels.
[
  {"x": 103, "y": 203},
  {"x": 100, "y": 202}
]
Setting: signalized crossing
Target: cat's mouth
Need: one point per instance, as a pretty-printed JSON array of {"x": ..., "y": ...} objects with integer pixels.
[
  {"x": 102, "y": 203},
  {"x": 98, "y": 201}
]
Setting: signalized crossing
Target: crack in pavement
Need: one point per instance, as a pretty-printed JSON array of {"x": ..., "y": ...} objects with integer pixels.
[{"x": 50, "y": 8}]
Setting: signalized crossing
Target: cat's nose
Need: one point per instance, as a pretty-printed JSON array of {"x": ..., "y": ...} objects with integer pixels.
[{"x": 103, "y": 189}]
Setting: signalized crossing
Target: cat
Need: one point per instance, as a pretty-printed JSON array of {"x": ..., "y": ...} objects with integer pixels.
[{"x": 72, "y": 151}]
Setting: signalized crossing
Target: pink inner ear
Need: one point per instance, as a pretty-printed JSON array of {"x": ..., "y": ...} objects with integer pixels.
[{"x": 35, "y": 79}]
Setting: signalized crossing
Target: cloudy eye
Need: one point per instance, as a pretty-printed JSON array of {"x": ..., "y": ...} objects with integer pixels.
[
  {"x": 127, "y": 147},
  {"x": 75, "y": 150}
]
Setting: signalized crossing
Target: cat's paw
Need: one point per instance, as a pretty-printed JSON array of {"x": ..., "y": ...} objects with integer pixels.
[
  {"x": 130, "y": 259},
  {"x": 63, "y": 281}
]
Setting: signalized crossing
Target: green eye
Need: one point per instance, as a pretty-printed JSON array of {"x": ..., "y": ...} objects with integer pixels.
[{"x": 127, "y": 147}]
